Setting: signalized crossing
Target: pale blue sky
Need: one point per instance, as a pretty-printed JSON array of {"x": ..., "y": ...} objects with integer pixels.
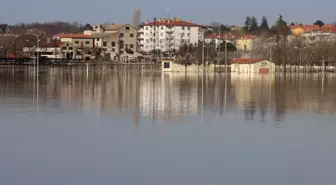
[{"x": 200, "y": 11}]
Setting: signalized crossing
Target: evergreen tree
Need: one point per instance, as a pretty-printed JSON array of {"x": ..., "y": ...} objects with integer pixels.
[
  {"x": 247, "y": 23},
  {"x": 254, "y": 23},
  {"x": 264, "y": 23},
  {"x": 319, "y": 23},
  {"x": 281, "y": 27}
]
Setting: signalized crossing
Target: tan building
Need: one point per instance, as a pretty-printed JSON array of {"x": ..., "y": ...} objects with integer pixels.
[
  {"x": 118, "y": 41},
  {"x": 76, "y": 46}
]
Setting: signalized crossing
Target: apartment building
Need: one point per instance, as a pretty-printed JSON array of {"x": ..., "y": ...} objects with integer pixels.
[
  {"x": 168, "y": 35},
  {"x": 118, "y": 41}
]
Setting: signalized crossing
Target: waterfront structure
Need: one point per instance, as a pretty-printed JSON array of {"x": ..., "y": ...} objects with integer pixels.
[
  {"x": 252, "y": 66},
  {"x": 167, "y": 35},
  {"x": 118, "y": 41}
]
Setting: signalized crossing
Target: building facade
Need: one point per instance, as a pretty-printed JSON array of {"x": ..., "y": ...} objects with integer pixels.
[
  {"x": 118, "y": 41},
  {"x": 167, "y": 35},
  {"x": 252, "y": 66}
]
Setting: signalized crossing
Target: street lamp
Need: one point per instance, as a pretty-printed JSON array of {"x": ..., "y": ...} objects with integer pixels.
[{"x": 300, "y": 49}]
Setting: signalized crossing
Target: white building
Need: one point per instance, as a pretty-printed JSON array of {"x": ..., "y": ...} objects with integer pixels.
[
  {"x": 252, "y": 66},
  {"x": 168, "y": 34}
]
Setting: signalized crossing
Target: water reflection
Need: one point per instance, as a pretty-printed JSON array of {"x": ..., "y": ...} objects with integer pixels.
[{"x": 128, "y": 91}]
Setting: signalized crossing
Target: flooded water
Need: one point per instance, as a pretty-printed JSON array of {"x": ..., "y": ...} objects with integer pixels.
[{"x": 130, "y": 127}]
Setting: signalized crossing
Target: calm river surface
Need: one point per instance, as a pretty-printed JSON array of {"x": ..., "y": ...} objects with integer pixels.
[{"x": 130, "y": 127}]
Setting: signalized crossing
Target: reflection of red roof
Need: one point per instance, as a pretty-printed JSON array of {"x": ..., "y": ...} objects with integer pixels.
[
  {"x": 245, "y": 61},
  {"x": 74, "y": 36},
  {"x": 245, "y": 37},
  {"x": 172, "y": 22}
]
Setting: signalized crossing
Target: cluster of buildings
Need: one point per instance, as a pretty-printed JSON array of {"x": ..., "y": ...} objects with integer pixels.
[{"x": 121, "y": 42}]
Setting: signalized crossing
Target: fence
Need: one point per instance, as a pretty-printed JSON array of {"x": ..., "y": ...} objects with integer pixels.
[{"x": 305, "y": 69}]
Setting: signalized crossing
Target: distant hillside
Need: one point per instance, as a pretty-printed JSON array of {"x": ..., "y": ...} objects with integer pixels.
[{"x": 48, "y": 28}]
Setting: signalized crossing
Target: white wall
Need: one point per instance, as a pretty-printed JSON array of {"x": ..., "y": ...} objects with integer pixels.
[{"x": 189, "y": 36}]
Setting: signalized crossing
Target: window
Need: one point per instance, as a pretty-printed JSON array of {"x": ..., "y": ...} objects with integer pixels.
[
  {"x": 126, "y": 46},
  {"x": 188, "y": 27},
  {"x": 76, "y": 42},
  {"x": 131, "y": 35},
  {"x": 89, "y": 52},
  {"x": 70, "y": 48},
  {"x": 98, "y": 39},
  {"x": 182, "y": 27},
  {"x": 121, "y": 35},
  {"x": 64, "y": 48},
  {"x": 188, "y": 34},
  {"x": 161, "y": 27},
  {"x": 113, "y": 44},
  {"x": 104, "y": 44},
  {"x": 87, "y": 42},
  {"x": 131, "y": 46},
  {"x": 146, "y": 28},
  {"x": 127, "y": 28},
  {"x": 113, "y": 49},
  {"x": 161, "y": 34},
  {"x": 121, "y": 52},
  {"x": 166, "y": 65}
]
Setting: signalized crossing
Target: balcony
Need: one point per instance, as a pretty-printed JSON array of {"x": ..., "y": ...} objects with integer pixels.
[{"x": 169, "y": 30}]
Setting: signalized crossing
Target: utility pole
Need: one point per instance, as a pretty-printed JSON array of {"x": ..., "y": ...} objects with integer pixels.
[{"x": 203, "y": 53}]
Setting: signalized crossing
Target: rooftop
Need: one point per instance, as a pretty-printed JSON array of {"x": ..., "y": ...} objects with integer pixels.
[
  {"x": 74, "y": 36},
  {"x": 171, "y": 22}
]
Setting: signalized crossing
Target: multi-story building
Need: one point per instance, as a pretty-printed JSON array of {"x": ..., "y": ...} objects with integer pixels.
[
  {"x": 168, "y": 35},
  {"x": 76, "y": 46},
  {"x": 313, "y": 33},
  {"x": 118, "y": 41}
]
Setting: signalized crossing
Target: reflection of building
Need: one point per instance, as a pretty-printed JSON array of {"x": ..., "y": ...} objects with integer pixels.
[
  {"x": 253, "y": 93},
  {"x": 170, "y": 96}
]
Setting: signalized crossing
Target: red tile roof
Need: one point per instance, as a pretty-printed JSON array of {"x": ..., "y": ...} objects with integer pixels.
[
  {"x": 245, "y": 37},
  {"x": 245, "y": 61},
  {"x": 74, "y": 36},
  {"x": 172, "y": 22},
  {"x": 313, "y": 27}
]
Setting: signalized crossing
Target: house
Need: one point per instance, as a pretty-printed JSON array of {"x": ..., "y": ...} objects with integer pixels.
[
  {"x": 118, "y": 41},
  {"x": 251, "y": 65},
  {"x": 313, "y": 33},
  {"x": 168, "y": 35},
  {"x": 218, "y": 39},
  {"x": 76, "y": 46},
  {"x": 50, "y": 50},
  {"x": 246, "y": 43}
]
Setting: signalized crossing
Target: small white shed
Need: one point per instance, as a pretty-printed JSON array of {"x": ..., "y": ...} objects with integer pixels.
[{"x": 251, "y": 65}]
